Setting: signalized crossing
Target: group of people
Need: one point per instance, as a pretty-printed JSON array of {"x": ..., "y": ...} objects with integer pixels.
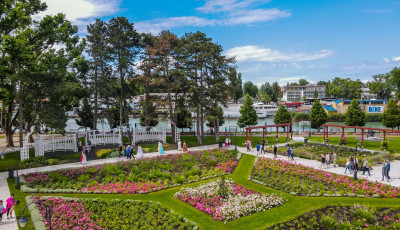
[
  {"x": 129, "y": 151},
  {"x": 385, "y": 170},
  {"x": 83, "y": 151},
  {"x": 290, "y": 153},
  {"x": 227, "y": 142},
  {"x": 352, "y": 165},
  {"x": 328, "y": 159},
  {"x": 182, "y": 147},
  {"x": 9, "y": 208},
  {"x": 260, "y": 147}
]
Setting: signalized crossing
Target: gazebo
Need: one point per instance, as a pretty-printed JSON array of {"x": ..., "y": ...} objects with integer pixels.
[
  {"x": 326, "y": 133},
  {"x": 287, "y": 125}
]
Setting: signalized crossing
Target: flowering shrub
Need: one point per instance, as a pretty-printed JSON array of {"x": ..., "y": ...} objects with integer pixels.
[
  {"x": 138, "y": 176},
  {"x": 384, "y": 145},
  {"x": 111, "y": 214},
  {"x": 240, "y": 201},
  {"x": 345, "y": 217},
  {"x": 304, "y": 180},
  {"x": 342, "y": 140}
]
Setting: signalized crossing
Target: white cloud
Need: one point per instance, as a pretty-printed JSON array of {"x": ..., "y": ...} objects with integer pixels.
[
  {"x": 396, "y": 58},
  {"x": 80, "y": 12},
  {"x": 386, "y": 60},
  {"x": 255, "y": 16},
  {"x": 256, "y": 53},
  {"x": 157, "y": 25},
  {"x": 213, "y": 6}
]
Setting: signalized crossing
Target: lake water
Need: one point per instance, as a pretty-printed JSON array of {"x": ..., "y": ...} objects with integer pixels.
[{"x": 134, "y": 122}]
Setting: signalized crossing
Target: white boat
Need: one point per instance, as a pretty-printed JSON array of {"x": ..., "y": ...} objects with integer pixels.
[{"x": 265, "y": 110}]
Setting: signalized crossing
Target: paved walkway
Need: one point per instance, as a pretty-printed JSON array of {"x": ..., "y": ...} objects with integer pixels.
[{"x": 12, "y": 224}]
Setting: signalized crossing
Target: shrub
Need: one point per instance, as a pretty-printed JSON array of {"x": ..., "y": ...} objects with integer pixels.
[{"x": 103, "y": 153}]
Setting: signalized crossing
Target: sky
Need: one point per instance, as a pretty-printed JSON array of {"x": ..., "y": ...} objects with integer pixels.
[{"x": 272, "y": 40}]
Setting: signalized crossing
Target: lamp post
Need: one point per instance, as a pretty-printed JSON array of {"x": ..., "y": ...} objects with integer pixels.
[
  {"x": 16, "y": 164},
  {"x": 23, "y": 220},
  {"x": 234, "y": 128}
]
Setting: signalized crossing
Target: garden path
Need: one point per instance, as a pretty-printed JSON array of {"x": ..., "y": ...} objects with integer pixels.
[{"x": 376, "y": 173}]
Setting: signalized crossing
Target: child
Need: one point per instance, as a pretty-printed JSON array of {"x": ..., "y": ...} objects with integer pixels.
[
  {"x": 258, "y": 148},
  {"x": 1, "y": 210},
  {"x": 10, "y": 206}
]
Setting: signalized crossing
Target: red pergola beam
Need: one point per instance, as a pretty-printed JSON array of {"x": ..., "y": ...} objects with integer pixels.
[
  {"x": 288, "y": 125},
  {"x": 362, "y": 128}
]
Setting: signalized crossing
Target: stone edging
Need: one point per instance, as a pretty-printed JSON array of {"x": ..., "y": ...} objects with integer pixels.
[{"x": 36, "y": 216}]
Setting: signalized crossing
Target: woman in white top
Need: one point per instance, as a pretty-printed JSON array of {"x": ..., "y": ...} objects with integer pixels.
[
  {"x": 179, "y": 145},
  {"x": 139, "y": 152},
  {"x": 84, "y": 161}
]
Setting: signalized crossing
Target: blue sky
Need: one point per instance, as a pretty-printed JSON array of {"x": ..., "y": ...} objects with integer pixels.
[{"x": 272, "y": 40}]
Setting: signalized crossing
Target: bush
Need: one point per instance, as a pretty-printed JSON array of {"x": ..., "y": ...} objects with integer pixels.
[
  {"x": 103, "y": 153},
  {"x": 54, "y": 161},
  {"x": 300, "y": 117}
]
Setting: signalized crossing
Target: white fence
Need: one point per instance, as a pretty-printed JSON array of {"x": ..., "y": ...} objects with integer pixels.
[
  {"x": 25, "y": 148},
  {"x": 177, "y": 135},
  {"x": 104, "y": 137},
  {"x": 150, "y": 136},
  {"x": 55, "y": 142}
]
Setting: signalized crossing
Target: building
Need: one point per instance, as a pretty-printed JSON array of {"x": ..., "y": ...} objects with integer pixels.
[
  {"x": 368, "y": 106},
  {"x": 242, "y": 99},
  {"x": 366, "y": 95},
  {"x": 297, "y": 92}
]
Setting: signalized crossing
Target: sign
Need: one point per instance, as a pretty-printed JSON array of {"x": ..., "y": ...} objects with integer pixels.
[{"x": 375, "y": 109}]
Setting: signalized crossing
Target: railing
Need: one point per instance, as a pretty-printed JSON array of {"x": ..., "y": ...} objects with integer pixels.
[
  {"x": 150, "y": 136},
  {"x": 103, "y": 138},
  {"x": 52, "y": 143}
]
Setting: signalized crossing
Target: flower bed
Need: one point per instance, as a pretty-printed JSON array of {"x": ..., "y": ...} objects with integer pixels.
[
  {"x": 225, "y": 200},
  {"x": 139, "y": 176},
  {"x": 345, "y": 217},
  {"x": 303, "y": 180},
  {"x": 101, "y": 214}
]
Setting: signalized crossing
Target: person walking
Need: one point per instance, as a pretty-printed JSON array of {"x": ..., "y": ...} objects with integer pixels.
[
  {"x": 248, "y": 145},
  {"x": 179, "y": 145},
  {"x": 184, "y": 147},
  {"x": 161, "y": 149},
  {"x": 292, "y": 153},
  {"x": 10, "y": 206},
  {"x": 120, "y": 150},
  {"x": 356, "y": 163},
  {"x": 387, "y": 169},
  {"x": 328, "y": 160},
  {"x": 334, "y": 158},
  {"x": 347, "y": 166},
  {"x": 139, "y": 152},
  {"x": 1, "y": 210},
  {"x": 365, "y": 167},
  {"x": 127, "y": 151},
  {"x": 275, "y": 151},
  {"x": 384, "y": 172},
  {"x": 131, "y": 154},
  {"x": 262, "y": 146},
  {"x": 258, "y": 148},
  {"x": 226, "y": 142},
  {"x": 84, "y": 160},
  {"x": 322, "y": 160},
  {"x": 288, "y": 153}
]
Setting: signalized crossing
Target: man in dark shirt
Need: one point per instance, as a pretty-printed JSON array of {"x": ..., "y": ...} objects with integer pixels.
[{"x": 275, "y": 151}]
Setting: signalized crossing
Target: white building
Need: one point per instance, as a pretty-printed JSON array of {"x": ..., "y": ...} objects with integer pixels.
[
  {"x": 366, "y": 95},
  {"x": 297, "y": 92}
]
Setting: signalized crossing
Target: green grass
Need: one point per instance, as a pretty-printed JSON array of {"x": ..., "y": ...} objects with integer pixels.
[
  {"x": 293, "y": 206},
  {"x": 370, "y": 145},
  {"x": 22, "y": 203}
]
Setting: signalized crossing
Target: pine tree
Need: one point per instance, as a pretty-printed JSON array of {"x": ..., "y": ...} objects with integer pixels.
[
  {"x": 248, "y": 113},
  {"x": 391, "y": 117},
  {"x": 151, "y": 118},
  {"x": 355, "y": 116},
  {"x": 183, "y": 115},
  {"x": 282, "y": 116},
  {"x": 85, "y": 114},
  {"x": 318, "y": 115}
]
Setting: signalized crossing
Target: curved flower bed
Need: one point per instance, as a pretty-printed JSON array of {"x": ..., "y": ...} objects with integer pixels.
[
  {"x": 304, "y": 180},
  {"x": 93, "y": 214},
  {"x": 345, "y": 217},
  {"x": 139, "y": 176},
  {"x": 235, "y": 202}
]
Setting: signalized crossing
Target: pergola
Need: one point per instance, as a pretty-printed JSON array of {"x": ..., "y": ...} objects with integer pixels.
[
  {"x": 326, "y": 133},
  {"x": 287, "y": 125}
]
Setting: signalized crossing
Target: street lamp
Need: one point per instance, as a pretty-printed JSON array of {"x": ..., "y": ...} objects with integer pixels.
[
  {"x": 16, "y": 164},
  {"x": 23, "y": 220},
  {"x": 234, "y": 128}
]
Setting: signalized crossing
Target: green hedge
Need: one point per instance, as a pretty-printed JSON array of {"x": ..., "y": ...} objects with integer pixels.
[{"x": 300, "y": 117}]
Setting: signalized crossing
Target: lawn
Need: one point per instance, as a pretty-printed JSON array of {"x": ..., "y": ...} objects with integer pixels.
[
  {"x": 370, "y": 145},
  {"x": 293, "y": 206}
]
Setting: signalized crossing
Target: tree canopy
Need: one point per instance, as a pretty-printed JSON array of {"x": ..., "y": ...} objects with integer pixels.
[
  {"x": 248, "y": 115},
  {"x": 355, "y": 116},
  {"x": 391, "y": 116},
  {"x": 318, "y": 116}
]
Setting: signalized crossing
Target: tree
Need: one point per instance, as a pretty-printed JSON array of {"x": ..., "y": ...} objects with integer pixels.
[
  {"x": 248, "y": 115},
  {"x": 318, "y": 116},
  {"x": 250, "y": 88},
  {"x": 123, "y": 47},
  {"x": 316, "y": 94},
  {"x": 282, "y": 116},
  {"x": 391, "y": 116},
  {"x": 151, "y": 118},
  {"x": 381, "y": 86},
  {"x": 395, "y": 79},
  {"x": 183, "y": 115},
  {"x": 85, "y": 114},
  {"x": 355, "y": 116},
  {"x": 345, "y": 88},
  {"x": 235, "y": 84},
  {"x": 276, "y": 92},
  {"x": 303, "y": 82}
]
